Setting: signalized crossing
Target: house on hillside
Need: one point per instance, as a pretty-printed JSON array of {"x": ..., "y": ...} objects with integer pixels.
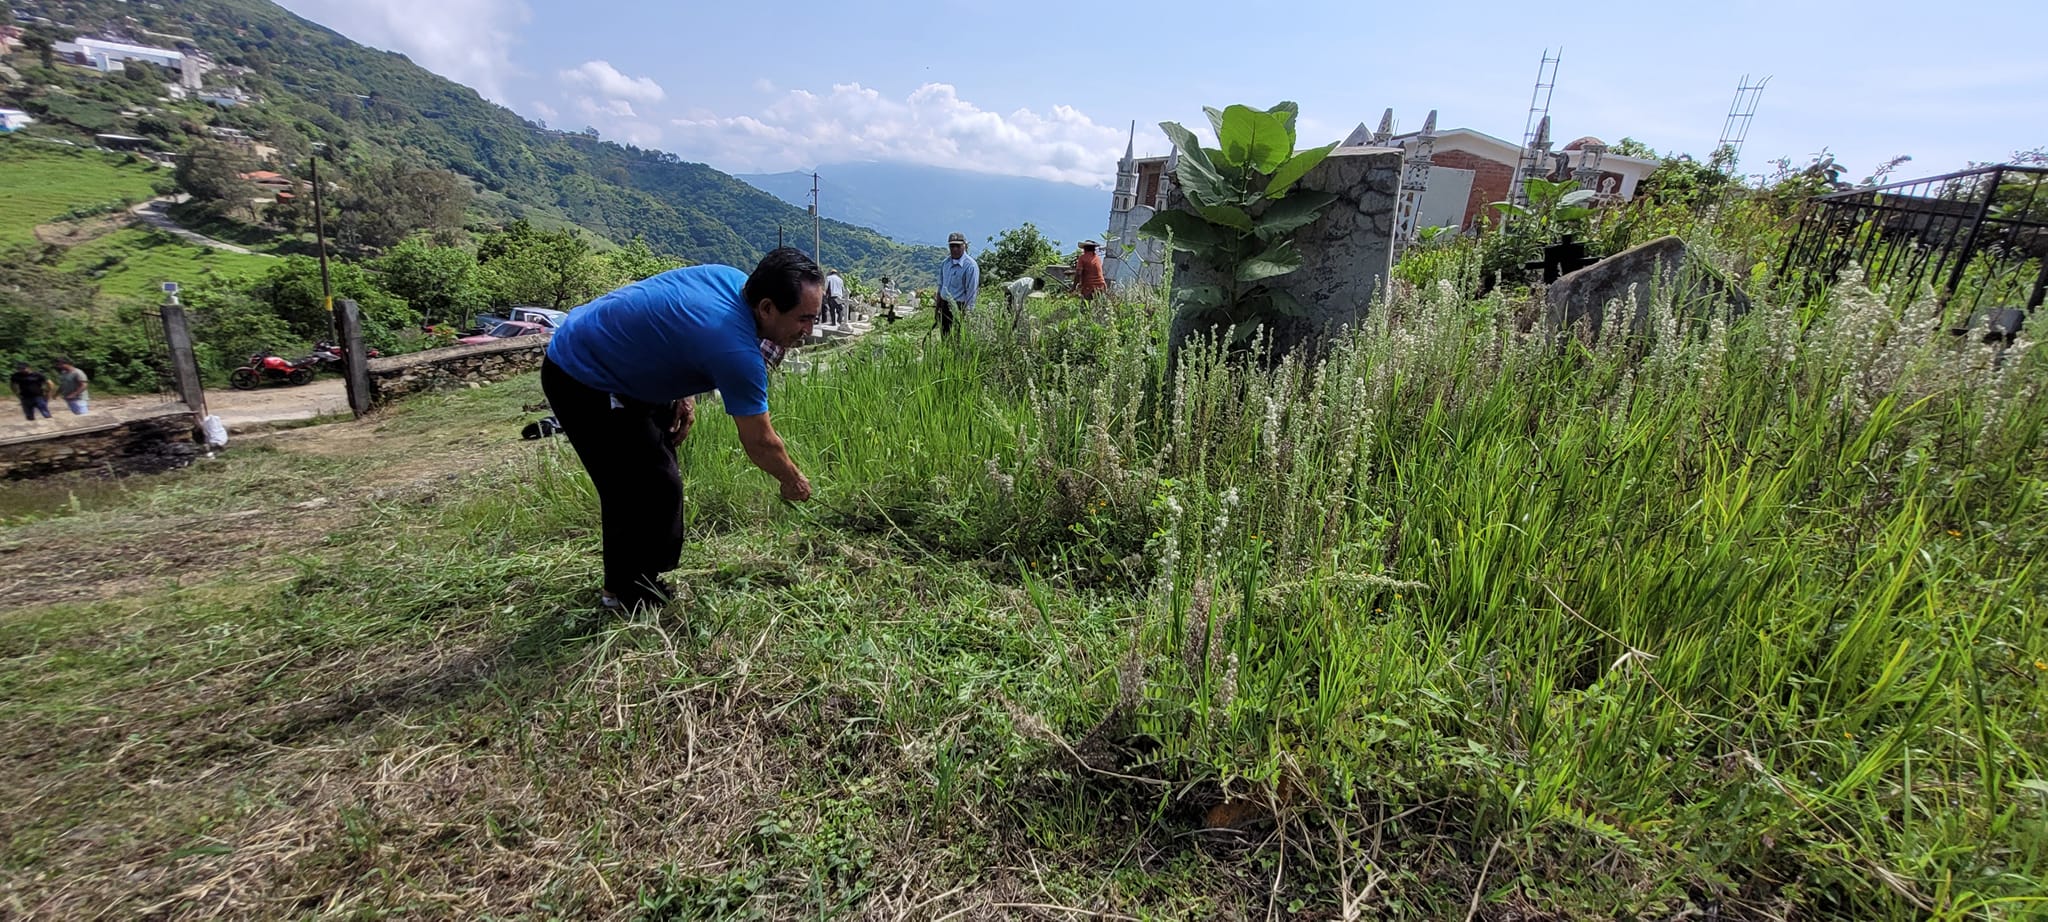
[
  {"x": 1449, "y": 179},
  {"x": 124, "y": 142},
  {"x": 109, "y": 57},
  {"x": 226, "y": 98},
  {"x": 274, "y": 186},
  {"x": 14, "y": 120}
]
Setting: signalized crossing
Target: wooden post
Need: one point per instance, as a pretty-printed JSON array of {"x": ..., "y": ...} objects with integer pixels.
[{"x": 355, "y": 358}]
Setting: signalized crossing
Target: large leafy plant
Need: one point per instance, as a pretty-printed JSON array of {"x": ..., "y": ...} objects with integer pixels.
[{"x": 1245, "y": 208}]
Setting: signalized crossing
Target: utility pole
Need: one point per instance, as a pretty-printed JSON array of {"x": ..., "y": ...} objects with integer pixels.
[
  {"x": 816, "y": 222},
  {"x": 320, "y": 232}
]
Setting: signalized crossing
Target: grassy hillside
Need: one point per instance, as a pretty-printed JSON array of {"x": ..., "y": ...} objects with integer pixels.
[
  {"x": 43, "y": 183},
  {"x": 132, "y": 262},
  {"x": 40, "y": 183},
  {"x": 318, "y": 86}
]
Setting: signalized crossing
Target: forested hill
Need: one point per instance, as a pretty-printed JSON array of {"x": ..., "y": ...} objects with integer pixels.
[{"x": 318, "y": 86}]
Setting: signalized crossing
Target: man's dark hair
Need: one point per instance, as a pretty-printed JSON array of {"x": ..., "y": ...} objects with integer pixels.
[
  {"x": 1038, "y": 283},
  {"x": 781, "y": 277}
]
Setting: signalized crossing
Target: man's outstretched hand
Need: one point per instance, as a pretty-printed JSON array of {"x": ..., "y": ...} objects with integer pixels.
[
  {"x": 686, "y": 416},
  {"x": 796, "y": 489}
]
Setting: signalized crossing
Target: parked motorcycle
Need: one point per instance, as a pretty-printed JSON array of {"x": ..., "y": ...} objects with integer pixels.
[
  {"x": 264, "y": 368},
  {"x": 327, "y": 354}
]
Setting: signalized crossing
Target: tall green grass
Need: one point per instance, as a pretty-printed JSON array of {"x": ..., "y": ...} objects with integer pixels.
[{"x": 1750, "y": 611}]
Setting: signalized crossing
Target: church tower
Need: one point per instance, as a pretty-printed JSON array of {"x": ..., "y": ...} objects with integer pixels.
[{"x": 1127, "y": 175}]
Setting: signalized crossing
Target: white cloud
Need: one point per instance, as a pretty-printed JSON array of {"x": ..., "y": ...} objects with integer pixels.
[
  {"x": 604, "y": 79},
  {"x": 616, "y": 108},
  {"x": 468, "y": 41},
  {"x": 931, "y": 126},
  {"x": 545, "y": 111},
  {"x": 764, "y": 85}
]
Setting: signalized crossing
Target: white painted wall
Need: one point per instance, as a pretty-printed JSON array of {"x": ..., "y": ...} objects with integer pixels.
[{"x": 1443, "y": 203}]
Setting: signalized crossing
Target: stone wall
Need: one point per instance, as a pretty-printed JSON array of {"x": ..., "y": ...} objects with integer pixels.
[
  {"x": 1662, "y": 271},
  {"x": 1347, "y": 252},
  {"x": 402, "y": 376},
  {"x": 159, "y": 441}
]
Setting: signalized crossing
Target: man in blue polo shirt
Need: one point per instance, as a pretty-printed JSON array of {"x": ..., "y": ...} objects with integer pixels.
[{"x": 621, "y": 375}]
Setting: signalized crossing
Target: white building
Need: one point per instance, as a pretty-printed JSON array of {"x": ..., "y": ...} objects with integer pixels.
[
  {"x": 110, "y": 57},
  {"x": 14, "y": 120}
]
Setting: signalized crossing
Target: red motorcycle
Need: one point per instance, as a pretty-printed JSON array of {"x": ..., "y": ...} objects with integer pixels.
[{"x": 264, "y": 368}]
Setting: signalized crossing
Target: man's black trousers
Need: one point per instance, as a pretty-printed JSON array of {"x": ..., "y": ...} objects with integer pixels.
[{"x": 633, "y": 467}]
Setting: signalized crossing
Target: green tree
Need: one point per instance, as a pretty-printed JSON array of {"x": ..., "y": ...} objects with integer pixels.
[
  {"x": 635, "y": 261},
  {"x": 292, "y": 289},
  {"x": 543, "y": 268},
  {"x": 1630, "y": 147},
  {"x": 41, "y": 45},
  {"x": 382, "y": 203},
  {"x": 229, "y": 324},
  {"x": 1015, "y": 253},
  {"x": 442, "y": 283},
  {"x": 212, "y": 174}
]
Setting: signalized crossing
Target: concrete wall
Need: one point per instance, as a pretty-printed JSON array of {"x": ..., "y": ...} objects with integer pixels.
[
  {"x": 1444, "y": 202},
  {"x": 159, "y": 441},
  {"x": 402, "y": 376}
]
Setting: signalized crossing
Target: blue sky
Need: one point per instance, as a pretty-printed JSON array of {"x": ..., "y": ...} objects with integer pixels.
[{"x": 1051, "y": 92}]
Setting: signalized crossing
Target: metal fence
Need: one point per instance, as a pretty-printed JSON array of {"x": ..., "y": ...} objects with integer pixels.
[{"x": 1978, "y": 238}]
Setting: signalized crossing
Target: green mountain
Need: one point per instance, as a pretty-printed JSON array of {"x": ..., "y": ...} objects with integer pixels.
[{"x": 316, "y": 85}]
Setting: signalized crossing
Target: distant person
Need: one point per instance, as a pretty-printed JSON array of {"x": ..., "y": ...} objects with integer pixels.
[
  {"x": 1088, "y": 281},
  {"x": 835, "y": 299},
  {"x": 889, "y": 294},
  {"x": 1018, "y": 293},
  {"x": 71, "y": 384},
  {"x": 33, "y": 389},
  {"x": 959, "y": 282},
  {"x": 622, "y": 374}
]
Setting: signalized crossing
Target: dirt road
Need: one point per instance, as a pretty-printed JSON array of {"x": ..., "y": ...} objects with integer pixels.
[
  {"x": 155, "y": 213},
  {"x": 240, "y": 410}
]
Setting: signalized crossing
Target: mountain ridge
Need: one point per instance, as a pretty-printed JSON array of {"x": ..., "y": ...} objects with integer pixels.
[{"x": 921, "y": 204}]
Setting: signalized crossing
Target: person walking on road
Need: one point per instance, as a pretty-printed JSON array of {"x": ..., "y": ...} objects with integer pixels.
[
  {"x": 71, "y": 384},
  {"x": 959, "y": 282},
  {"x": 33, "y": 388},
  {"x": 622, "y": 374}
]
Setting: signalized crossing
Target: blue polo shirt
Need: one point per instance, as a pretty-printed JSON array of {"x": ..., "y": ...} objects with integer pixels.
[{"x": 674, "y": 335}]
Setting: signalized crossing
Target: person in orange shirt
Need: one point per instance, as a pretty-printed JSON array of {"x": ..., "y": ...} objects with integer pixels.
[{"x": 1088, "y": 271}]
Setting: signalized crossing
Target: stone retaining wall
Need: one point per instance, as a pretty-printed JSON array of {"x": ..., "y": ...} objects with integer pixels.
[
  {"x": 402, "y": 376},
  {"x": 147, "y": 444}
]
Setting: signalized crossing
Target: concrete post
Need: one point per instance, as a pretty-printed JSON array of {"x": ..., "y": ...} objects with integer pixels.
[
  {"x": 184, "y": 363},
  {"x": 356, "y": 359}
]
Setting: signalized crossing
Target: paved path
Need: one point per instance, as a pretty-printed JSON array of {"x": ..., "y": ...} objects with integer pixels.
[
  {"x": 155, "y": 213},
  {"x": 239, "y": 410}
]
